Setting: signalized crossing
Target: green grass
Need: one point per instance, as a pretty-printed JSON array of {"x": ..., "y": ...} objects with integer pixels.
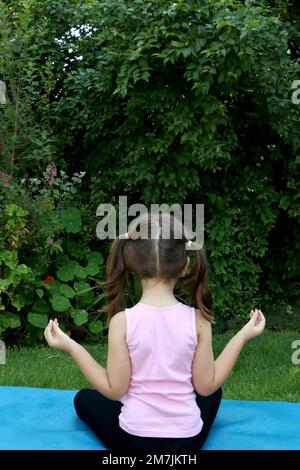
[{"x": 264, "y": 370}]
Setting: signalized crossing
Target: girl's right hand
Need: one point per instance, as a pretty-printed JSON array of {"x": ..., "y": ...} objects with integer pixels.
[
  {"x": 56, "y": 338},
  {"x": 255, "y": 325}
]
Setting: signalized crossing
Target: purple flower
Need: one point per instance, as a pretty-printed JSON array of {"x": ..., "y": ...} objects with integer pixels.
[
  {"x": 50, "y": 241},
  {"x": 50, "y": 174},
  {"x": 5, "y": 179},
  {"x": 51, "y": 170}
]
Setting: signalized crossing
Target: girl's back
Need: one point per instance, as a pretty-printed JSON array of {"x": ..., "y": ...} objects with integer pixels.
[
  {"x": 160, "y": 368},
  {"x": 160, "y": 400}
]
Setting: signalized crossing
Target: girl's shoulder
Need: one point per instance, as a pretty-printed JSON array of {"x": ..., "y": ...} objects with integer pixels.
[
  {"x": 203, "y": 326},
  {"x": 118, "y": 324},
  {"x": 118, "y": 320},
  {"x": 118, "y": 316}
]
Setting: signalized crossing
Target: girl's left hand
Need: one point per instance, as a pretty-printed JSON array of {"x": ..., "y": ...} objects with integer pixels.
[
  {"x": 255, "y": 325},
  {"x": 56, "y": 338}
]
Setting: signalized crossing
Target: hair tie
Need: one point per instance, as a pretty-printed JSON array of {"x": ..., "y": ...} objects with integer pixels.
[{"x": 124, "y": 235}]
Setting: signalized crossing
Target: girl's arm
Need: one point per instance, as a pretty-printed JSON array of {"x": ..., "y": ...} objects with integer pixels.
[
  {"x": 209, "y": 374},
  {"x": 113, "y": 382}
]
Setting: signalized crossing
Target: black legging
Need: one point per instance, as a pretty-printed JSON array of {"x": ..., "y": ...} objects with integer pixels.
[{"x": 102, "y": 415}]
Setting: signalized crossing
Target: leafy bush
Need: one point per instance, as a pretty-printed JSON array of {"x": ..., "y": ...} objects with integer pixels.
[
  {"x": 39, "y": 224},
  {"x": 186, "y": 101}
]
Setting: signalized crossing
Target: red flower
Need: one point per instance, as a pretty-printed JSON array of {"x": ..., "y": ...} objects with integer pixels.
[{"x": 48, "y": 279}]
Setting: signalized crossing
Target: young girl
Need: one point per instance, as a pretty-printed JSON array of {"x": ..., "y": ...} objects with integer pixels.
[{"x": 161, "y": 389}]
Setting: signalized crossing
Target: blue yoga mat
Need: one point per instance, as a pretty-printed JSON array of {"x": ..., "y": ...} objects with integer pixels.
[{"x": 43, "y": 419}]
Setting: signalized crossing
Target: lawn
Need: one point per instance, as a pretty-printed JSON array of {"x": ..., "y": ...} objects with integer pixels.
[{"x": 264, "y": 370}]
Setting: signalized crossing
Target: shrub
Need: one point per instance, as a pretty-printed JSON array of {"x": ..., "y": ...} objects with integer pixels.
[
  {"x": 40, "y": 221},
  {"x": 186, "y": 101}
]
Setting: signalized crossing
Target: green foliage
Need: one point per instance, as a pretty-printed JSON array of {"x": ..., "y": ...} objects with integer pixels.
[
  {"x": 12, "y": 272},
  {"x": 39, "y": 320},
  {"x": 33, "y": 213},
  {"x": 71, "y": 220},
  {"x": 186, "y": 102},
  {"x": 9, "y": 320}
]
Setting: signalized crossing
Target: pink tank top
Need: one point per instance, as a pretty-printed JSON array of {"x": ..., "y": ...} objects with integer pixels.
[{"x": 161, "y": 401}]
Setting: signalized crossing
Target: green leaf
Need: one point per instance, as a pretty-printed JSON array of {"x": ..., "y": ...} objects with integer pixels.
[
  {"x": 39, "y": 320},
  {"x": 40, "y": 306},
  {"x": 10, "y": 258},
  {"x": 60, "y": 304},
  {"x": 67, "y": 291},
  {"x": 80, "y": 316},
  {"x": 15, "y": 210},
  {"x": 95, "y": 257},
  {"x": 80, "y": 272},
  {"x": 53, "y": 285},
  {"x": 10, "y": 320},
  {"x": 95, "y": 327},
  {"x": 14, "y": 320},
  {"x": 81, "y": 287},
  {"x": 67, "y": 271},
  {"x": 54, "y": 288},
  {"x": 92, "y": 269},
  {"x": 22, "y": 297},
  {"x": 40, "y": 293},
  {"x": 71, "y": 220},
  {"x": 86, "y": 300}
]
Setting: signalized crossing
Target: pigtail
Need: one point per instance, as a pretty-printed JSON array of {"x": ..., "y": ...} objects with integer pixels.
[
  {"x": 196, "y": 287},
  {"x": 116, "y": 279}
]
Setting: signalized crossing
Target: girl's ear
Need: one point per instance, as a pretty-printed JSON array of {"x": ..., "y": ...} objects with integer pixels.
[{"x": 185, "y": 267}]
